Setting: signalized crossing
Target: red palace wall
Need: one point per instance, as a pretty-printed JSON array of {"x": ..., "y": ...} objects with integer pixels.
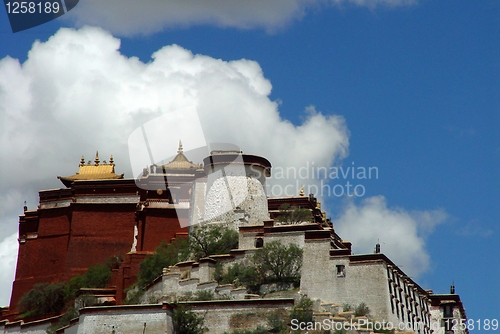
[
  {"x": 98, "y": 231},
  {"x": 64, "y": 237},
  {"x": 61, "y": 243},
  {"x": 42, "y": 256},
  {"x": 159, "y": 225}
]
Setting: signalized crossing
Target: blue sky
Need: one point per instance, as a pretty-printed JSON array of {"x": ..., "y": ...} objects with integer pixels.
[{"x": 417, "y": 84}]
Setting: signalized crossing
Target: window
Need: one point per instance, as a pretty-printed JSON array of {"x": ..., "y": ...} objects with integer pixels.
[
  {"x": 259, "y": 243},
  {"x": 448, "y": 311},
  {"x": 340, "y": 270}
]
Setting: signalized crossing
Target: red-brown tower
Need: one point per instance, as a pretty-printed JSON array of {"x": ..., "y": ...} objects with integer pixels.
[{"x": 100, "y": 214}]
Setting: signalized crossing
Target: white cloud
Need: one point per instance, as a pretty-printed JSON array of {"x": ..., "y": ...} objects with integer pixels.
[
  {"x": 8, "y": 259},
  {"x": 474, "y": 229},
  {"x": 76, "y": 94},
  {"x": 128, "y": 17},
  {"x": 400, "y": 233}
]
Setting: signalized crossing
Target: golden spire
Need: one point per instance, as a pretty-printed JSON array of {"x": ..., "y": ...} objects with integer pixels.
[
  {"x": 96, "y": 158},
  {"x": 179, "y": 150},
  {"x": 301, "y": 190},
  {"x": 111, "y": 161},
  {"x": 82, "y": 162}
]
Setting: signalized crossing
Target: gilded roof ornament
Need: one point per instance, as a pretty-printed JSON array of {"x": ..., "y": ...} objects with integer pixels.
[
  {"x": 179, "y": 150},
  {"x": 96, "y": 171},
  {"x": 111, "y": 161},
  {"x": 301, "y": 190},
  {"x": 180, "y": 162},
  {"x": 96, "y": 158}
]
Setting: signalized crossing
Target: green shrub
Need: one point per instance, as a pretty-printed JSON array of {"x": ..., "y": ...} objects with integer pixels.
[
  {"x": 272, "y": 263},
  {"x": 293, "y": 215},
  {"x": 96, "y": 276},
  {"x": 114, "y": 261},
  {"x": 206, "y": 240},
  {"x": 133, "y": 297},
  {"x": 69, "y": 315},
  {"x": 75, "y": 284},
  {"x": 278, "y": 263},
  {"x": 186, "y": 321},
  {"x": 164, "y": 256},
  {"x": 361, "y": 310},
  {"x": 219, "y": 272},
  {"x": 239, "y": 275},
  {"x": 276, "y": 322},
  {"x": 204, "y": 295},
  {"x": 346, "y": 308},
  {"x": 303, "y": 311},
  {"x": 44, "y": 298}
]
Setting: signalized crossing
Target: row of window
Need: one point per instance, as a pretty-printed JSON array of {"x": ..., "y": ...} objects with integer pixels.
[{"x": 404, "y": 296}]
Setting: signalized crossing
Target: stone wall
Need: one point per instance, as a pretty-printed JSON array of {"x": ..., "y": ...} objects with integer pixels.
[
  {"x": 122, "y": 319},
  {"x": 334, "y": 280},
  {"x": 19, "y": 327},
  {"x": 236, "y": 194},
  {"x": 226, "y": 316},
  {"x": 371, "y": 278},
  {"x": 220, "y": 317}
]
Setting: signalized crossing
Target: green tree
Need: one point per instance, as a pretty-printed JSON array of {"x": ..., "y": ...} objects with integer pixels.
[
  {"x": 238, "y": 275},
  {"x": 276, "y": 322},
  {"x": 133, "y": 297},
  {"x": 186, "y": 321},
  {"x": 96, "y": 276},
  {"x": 303, "y": 311},
  {"x": 164, "y": 256},
  {"x": 346, "y": 308},
  {"x": 293, "y": 215},
  {"x": 75, "y": 284},
  {"x": 44, "y": 298},
  {"x": 69, "y": 315},
  {"x": 212, "y": 239},
  {"x": 278, "y": 263},
  {"x": 361, "y": 310},
  {"x": 114, "y": 261}
]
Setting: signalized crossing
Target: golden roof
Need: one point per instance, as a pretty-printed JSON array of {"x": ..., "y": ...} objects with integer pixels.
[
  {"x": 95, "y": 171},
  {"x": 180, "y": 162}
]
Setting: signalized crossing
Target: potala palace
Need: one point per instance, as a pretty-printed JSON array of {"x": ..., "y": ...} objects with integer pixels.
[{"x": 98, "y": 214}]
